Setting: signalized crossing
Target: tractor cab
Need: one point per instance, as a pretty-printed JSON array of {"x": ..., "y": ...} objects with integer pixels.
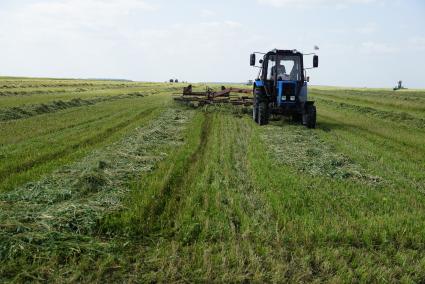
[
  {"x": 283, "y": 67},
  {"x": 281, "y": 86}
]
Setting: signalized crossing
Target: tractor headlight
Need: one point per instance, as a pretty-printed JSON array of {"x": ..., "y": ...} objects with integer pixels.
[{"x": 292, "y": 98}]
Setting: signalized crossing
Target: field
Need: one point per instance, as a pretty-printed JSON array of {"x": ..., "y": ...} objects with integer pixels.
[{"x": 112, "y": 181}]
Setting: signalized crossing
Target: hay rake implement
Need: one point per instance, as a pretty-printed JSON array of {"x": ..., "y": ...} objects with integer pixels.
[{"x": 209, "y": 96}]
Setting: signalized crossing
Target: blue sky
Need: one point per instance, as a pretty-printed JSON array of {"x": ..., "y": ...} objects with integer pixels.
[{"x": 370, "y": 43}]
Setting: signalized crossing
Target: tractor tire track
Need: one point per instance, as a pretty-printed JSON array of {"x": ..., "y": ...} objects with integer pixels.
[
  {"x": 217, "y": 201},
  {"x": 161, "y": 210}
]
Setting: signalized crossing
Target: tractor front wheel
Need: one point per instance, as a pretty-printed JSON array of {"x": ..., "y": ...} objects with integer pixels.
[
  {"x": 297, "y": 118},
  {"x": 263, "y": 113},
  {"x": 310, "y": 116}
]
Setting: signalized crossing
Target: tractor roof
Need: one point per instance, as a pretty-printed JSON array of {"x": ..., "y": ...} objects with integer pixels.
[{"x": 284, "y": 52}]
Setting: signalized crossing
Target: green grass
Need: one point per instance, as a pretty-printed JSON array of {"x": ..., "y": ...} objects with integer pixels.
[
  {"x": 411, "y": 102},
  {"x": 32, "y": 147},
  {"x": 144, "y": 190}
]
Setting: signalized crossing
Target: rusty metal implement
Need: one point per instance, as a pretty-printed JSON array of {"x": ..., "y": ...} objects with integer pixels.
[{"x": 209, "y": 96}]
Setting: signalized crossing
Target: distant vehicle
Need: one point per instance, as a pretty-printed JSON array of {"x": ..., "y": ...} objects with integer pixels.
[
  {"x": 281, "y": 87},
  {"x": 399, "y": 86}
]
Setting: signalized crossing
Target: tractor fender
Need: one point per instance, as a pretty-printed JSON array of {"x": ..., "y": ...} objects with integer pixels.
[{"x": 259, "y": 83}]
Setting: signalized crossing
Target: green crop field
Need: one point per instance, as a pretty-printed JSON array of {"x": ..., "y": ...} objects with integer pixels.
[{"x": 113, "y": 181}]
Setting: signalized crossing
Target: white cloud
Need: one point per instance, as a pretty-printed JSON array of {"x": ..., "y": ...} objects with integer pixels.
[
  {"x": 83, "y": 9},
  {"x": 210, "y": 24},
  {"x": 233, "y": 24},
  {"x": 84, "y": 12},
  {"x": 70, "y": 19},
  {"x": 371, "y": 47},
  {"x": 106, "y": 38},
  {"x": 71, "y": 38},
  {"x": 368, "y": 29},
  {"x": 151, "y": 40},
  {"x": 308, "y": 3},
  {"x": 206, "y": 13},
  {"x": 417, "y": 43},
  {"x": 206, "y": 38},
  {"x": 195, "y": 51}
]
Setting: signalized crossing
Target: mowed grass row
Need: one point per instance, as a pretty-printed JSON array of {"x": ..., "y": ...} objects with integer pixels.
[
  {"x": 14, "y": 83},
  {"x": 16, "y": 101},
  {"x": 45, "y": 95},
  {"x": 227, "y": 207},
  {"x": 23, "y": 91},
  {"x": 47, "y": 129},
  {"x": 237, "y": 202},
  {"x": 49, "y": 229},
  {"x": 384, "y": 142},
  {"x": 30, "y": 148},
  {"x": 405, "y": 101}
]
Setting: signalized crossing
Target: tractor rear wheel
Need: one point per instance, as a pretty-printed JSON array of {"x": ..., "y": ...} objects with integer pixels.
[
  {"x": 263, "y": 113},
  {"x": 311, "y": 116}
]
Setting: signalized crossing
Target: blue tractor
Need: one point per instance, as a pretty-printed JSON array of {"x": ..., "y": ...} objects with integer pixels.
[{"x": 281, "y": 87}]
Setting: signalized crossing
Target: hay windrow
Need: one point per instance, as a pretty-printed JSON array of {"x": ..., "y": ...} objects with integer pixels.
[
  {"x": 399, "y": 117},
  {"x": 67, "y": 205},
  {"x": 13, "y": 113},
  {"x": 303, "y": 150}
]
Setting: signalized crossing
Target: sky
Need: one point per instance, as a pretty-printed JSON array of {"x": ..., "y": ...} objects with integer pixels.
[{"x": 364, "y": 43}]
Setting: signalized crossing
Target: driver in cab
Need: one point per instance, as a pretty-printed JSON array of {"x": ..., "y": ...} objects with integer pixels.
[{"x": 281, "y": 72}]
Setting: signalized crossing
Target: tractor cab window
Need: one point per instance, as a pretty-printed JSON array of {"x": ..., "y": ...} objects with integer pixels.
[
  {"x": 287, "y": 68},
  {"x": 293, "y": 68},
  {"x": 271, "y": 65}
]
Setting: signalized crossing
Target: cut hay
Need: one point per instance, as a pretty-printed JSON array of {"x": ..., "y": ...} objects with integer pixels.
[
  {"x": 60, "y": 213},
  {"x": 303, "y": 150}
]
